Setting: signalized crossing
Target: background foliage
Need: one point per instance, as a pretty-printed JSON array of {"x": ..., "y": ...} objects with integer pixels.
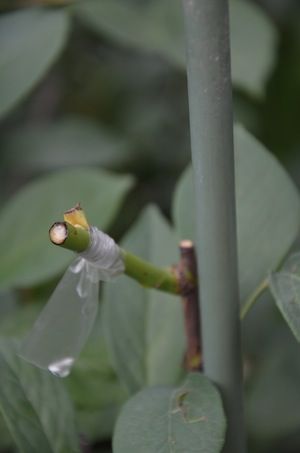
[{"x": 94, "y": 109}]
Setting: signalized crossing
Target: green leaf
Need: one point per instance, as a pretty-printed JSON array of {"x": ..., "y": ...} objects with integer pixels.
[
  {"x": 157, "y": 26},
  {"x": 285, "y": 287},
  {"x": 98, "y": 424},
  {"x": 273, "y": 399},
  {"x": 30, "y": 41},
  {"x": 144, "y": 328},
  {"x": 253, "y": 38},
  {"x": 35, "y": 406},
  {"x": 20, "y": 318},
  {"x": 61, "y": 144},
  {"x": 153, "y": 25},
  {"x": 93, "y": 383},
  {"x": 165, "y": 419},
  {"x": 94, "y": 388},
  {"x": 6, "y": 442},
  {"x": 28, "y": 257},
  {"x": 268, "y": 210}
]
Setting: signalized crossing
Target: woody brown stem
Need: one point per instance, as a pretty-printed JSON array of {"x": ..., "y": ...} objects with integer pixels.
[{"x": 189, "y": 293}]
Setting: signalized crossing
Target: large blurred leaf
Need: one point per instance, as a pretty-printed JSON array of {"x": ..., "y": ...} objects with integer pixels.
[
  {"x": 17, "y": 322},
  {"x": 94, "y": 388},
  {"x": 26, "y": 252},
  {"x": 30, "y": 41},
  {"x": 98, "y": 424},
  {"x": 144, "y": 328},
  {"x": 285, "y": 287},
  {"x": 6, "y": 441},
  {"x": 272, "y": 372},
  {"x": 273, "y": 398},
  {"x": 93, "y": 383},
  {"x": 189, "y": 418},
  {"x": 153, "y": 25},
  {"x": 253, "y": 39},
  {"x": 268, "y": 210},
  {"x": 68, "y": 142},
  {"x": 35, "y": 406},
  {"x": 157, "y": 26}
]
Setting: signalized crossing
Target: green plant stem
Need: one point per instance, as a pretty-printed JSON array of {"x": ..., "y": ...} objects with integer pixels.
[
  {"x": 211, "y": 123},
  {"x": 149, "y": 275},
  {"x": 253, "y": 298},
  {"x": 78, "y": 239}
]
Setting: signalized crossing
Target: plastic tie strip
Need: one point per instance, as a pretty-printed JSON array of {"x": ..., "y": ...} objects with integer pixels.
[{"x": 64, "y": 325}]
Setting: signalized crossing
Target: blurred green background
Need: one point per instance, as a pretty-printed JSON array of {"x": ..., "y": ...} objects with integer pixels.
[{"x": 102, "y": 84}]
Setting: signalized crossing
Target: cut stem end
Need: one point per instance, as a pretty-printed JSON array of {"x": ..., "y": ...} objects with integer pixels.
[
  {"x": 58, "y": 233},
  {"x": 70, "y": 237}
]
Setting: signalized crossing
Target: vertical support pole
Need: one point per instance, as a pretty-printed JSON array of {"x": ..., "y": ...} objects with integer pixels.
[{"x": 211, "y": 123}]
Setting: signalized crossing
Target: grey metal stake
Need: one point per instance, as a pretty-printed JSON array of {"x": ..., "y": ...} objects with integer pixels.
[{"x": 211, "y": 123}]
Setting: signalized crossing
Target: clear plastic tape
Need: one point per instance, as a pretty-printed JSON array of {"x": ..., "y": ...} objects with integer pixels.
[
  {"x": 104, "y": 253},
  {"x": 64, "y": 325},
  {"x": 101, "y": 261}
]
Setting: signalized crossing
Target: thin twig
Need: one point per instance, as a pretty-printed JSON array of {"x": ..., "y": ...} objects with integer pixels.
[
  {"x": 253, "y": 298},
  {"x": 189, "y": 291}
]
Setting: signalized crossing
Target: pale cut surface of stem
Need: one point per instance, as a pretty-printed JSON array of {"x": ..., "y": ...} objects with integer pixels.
[{"x": 70, "y": 237}]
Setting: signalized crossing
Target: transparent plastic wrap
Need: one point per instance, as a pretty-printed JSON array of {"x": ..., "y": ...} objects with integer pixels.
[{"x": 64, "y": 325}]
